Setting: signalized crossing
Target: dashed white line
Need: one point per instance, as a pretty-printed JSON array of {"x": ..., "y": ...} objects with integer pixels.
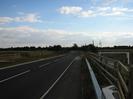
[
  {"x": 56, "y": 80},
  {"x": 49, "y": 63},
  {"x": 45, "y": 64},
  {"x": 14, "y": 76}
]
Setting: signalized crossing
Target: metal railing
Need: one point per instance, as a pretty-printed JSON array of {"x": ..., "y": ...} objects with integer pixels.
[
  {"x": 98, "y": 91},
  {"x": 117, "y": 72}
]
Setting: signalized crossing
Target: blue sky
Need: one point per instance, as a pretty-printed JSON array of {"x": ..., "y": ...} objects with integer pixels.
[{"x": 50, "y": 22}]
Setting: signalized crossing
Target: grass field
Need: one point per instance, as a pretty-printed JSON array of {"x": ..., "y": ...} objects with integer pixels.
[{"x": 8, "y": 58}]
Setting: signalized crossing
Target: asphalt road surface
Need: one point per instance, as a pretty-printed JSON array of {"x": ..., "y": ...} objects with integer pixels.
[{"x": 53, "y": 78}]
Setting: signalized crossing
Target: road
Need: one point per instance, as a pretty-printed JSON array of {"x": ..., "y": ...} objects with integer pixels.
[{"x": 53, "y": 78}]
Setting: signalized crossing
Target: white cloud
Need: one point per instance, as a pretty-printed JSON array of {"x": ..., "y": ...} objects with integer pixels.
[
  {"x": 70, "y": 10},
  {"x": 31, "y": 18},
  {"x": 103, "y": 8},
  {"x": 116, "y": 11},
  {"x": 109, "y": 2},
  {"x": 87, "y": 13},
  {"x": 5, "y": 20},
  {"x": 25, "y": 35},
  {"x": 28, "y": 36},
  {"x": 75, "y": 10},
  {"x": 119, "y": 9},
  {"x": 95, "y": 11}
]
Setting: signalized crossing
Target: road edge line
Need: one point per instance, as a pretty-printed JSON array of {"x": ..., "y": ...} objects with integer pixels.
[
  {"x": 57, "y": 80},
  {"x": 12, "y": 66}
]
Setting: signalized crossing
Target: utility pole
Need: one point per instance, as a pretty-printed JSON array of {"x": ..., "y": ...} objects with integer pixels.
[
  {"x": 100, "y": 44},
  {"x": 93, "y": 42}
]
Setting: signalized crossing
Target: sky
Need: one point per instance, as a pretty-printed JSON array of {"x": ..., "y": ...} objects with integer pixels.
[{"x": 65, "y": 22}]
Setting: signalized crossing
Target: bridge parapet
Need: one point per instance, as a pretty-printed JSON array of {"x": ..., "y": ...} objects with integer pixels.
[{"x": 118, "y": 70}]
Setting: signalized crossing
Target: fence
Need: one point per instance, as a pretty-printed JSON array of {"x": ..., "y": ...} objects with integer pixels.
[
  {"x": 98, "y": 91},
  {"x": 117, "y": 72}
]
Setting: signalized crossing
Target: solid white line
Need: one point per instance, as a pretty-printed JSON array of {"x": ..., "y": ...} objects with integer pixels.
[
  {"x": 56, "y": 80},
  {"x": 14, "y": 76},
  {"x": 30, "y": 62}
]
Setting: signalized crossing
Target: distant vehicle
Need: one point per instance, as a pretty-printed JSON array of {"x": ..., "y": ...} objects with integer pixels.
[{"x": 110, "y": 92}]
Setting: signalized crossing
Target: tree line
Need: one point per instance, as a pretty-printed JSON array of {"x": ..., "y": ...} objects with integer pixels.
[{"x": 90, "y": 47}]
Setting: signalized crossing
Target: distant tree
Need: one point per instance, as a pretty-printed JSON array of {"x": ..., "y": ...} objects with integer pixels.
[
  {"x": 75, "y": 46},
  {"x": 84, "y": 47},
  {"x": 92, "y": 48},
  {"x": 122, "y": 47},
  {"x": 89, "y": 47},
  {"x": 55, "y": 47}
]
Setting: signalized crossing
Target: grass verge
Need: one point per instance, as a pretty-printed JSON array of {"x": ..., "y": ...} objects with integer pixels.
[{"x": 8, "y": 58}]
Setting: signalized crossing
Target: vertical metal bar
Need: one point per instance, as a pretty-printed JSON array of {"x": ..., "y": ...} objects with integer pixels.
[
  {"x": 118, "y": 81},
  {"x": 120, "y": 90},
  {"x": 128, "y": 58},
  {"x": 122, "y": 82}
]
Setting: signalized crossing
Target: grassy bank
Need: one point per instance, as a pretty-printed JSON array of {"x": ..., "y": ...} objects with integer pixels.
[{"x": 8, "y": 58}]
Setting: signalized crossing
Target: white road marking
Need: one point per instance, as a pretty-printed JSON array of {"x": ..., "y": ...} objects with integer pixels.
[
  {"x": 56, "y": 80},
  {"x": 28, "y": 70},
  {"x": 45, "y": 64},
  {"x": 57, "y": 60},
  {"x": 49, "y": 63},
  {"x": 30, "y": 62},
  {"x": 15, "y": 76}
]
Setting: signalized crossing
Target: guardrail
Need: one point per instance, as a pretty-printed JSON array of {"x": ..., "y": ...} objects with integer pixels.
[
  {"x": 98, "y": 91},
  {"x": 117, "y": 72}
]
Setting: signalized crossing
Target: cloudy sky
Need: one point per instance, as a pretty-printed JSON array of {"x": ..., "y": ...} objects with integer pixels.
[{"x": 64, "y": 22}]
